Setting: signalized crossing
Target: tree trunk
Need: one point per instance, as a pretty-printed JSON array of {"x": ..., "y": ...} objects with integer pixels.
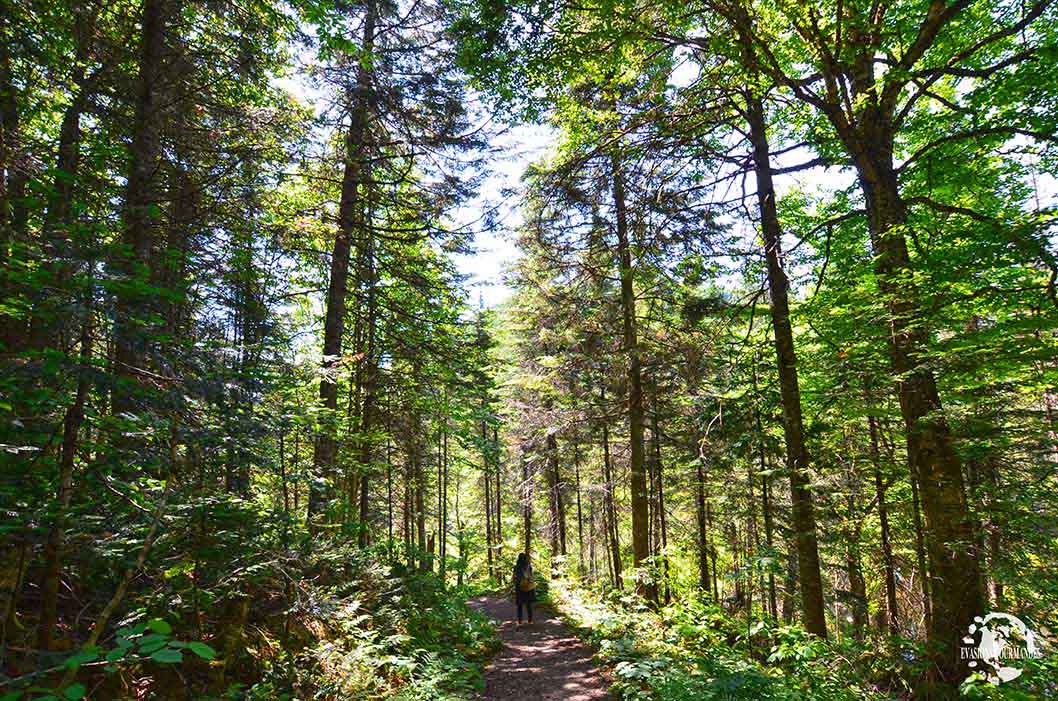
[
  {"x": 14, "y": 173},
  {"x": 769, "y": 539},
  {"x": 134, "y": 260},
  {"x": 699, "y": 493},
  {"x": 580, "y": 516},
  {"x": 797, "y": 459},
  {"x": 593, "y": 562},
  {"x": 788, "y": 604},
  {"x": 389, "y": 501},
  {"x": 56, "y": 233},
  {"x": 552, "y": 501},
  {"x": 527, "y": 505},
  {"x": 349, "y": 224},
  {"x": 637, "y": 463},
  {"x": 660, "y": 491},
  {"x": 420, "y": 507},
  {"x": 995, "y": 552},
  {"x": 611, "y": 511},
  {"x": 892, "y": 620},
  {"x": 54, "y": 548},
  {"x": 955, "y": 595},
  {"x": 857, "y": 585},
  {"x": 487, "y": 480},
  {"x": 499, "y": 502},
  {"x": 920, "y": 549},
  {"x": 367, "y": 413}
]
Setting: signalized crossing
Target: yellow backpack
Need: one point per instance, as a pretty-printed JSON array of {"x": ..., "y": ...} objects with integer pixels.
[{"x": 525, "y": 581}]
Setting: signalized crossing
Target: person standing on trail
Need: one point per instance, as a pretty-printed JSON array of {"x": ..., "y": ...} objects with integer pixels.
[{"x": 524, "y": 587}]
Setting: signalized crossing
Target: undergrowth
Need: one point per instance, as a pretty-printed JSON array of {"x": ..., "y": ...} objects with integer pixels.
[
  {"x": 695, "y": 650},
  {"x": 328, "y": 622}
]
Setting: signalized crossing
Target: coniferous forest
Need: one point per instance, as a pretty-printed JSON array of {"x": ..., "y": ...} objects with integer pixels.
[{"x": 768, "y": 389}]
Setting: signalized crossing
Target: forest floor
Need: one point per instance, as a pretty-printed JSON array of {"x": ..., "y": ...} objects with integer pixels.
[{"x": 541, "y": 662}]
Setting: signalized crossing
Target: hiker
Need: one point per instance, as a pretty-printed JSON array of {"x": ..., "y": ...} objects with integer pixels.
[{"x": 524, "y": 587}]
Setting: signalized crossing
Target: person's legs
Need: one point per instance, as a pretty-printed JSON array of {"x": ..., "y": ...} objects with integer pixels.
[
  {"x": 528, "y": 610},
  {"x": 520, "y": 611}
]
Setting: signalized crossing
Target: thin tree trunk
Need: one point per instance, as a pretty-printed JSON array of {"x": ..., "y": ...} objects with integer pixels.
[
  {"x": 54, "y": 548},
  {"x": 367, "y": 413},
  {"x": 892, "y": 620},
  {"x": 487, "y": 478},
  {"x": 141, "y": 200},
  {"x": 769, "y": 539},
  {"x": 611, "y": 511},
  {"x": 593, "y": 567},
  {"x": 349, "y": 221},
  {"x": 498, "y": 494},
  {"x": 712, "y": 552},
  {"x": 699, "y": 493},
  {"x": 580, "y": 516},
  {"x": 444, "y": 501},
  {"x": 14, "y": 172},
  {"x": 994, "y": 541},
  {"x": 853, "y": 560},
  {"x": 662, "y": 522},
  {"x": 637, "y": 463},
  {"x": 389, "y": 499},
  {"x": 552, "y": 501},
  {"x": 406, "y": 513},
  {"x": 920, "y": 551},
  {"x": 440, "y": 489},
  {"x": 56, "y": 231},
  {"x": 797, "y": 459},
  {"x": 527, "y": 505},
  {"x": 420, "y": 506}
]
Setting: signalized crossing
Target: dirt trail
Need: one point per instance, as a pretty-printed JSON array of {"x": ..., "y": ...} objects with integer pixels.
[{"x": 541, "y": 662}]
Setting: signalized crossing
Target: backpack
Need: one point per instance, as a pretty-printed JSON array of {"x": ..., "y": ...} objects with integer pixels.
[{"x": 525, "y": 581}]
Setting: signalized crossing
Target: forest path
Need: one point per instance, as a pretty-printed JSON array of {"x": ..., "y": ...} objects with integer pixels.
[{"x": 541, "y": 662}]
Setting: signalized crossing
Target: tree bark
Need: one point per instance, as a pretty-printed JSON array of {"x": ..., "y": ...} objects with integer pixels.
[
  {"x": 891, "y": 605},
  {"x": 367, "y": 413},
  {"x": 349, "y": 225},
  {"x": 487, "y": 481},
  {"x": 797, "y": 459},
  {"x": 955, "y": 596},
  {"x": 499, "y": 501},
  {"x": 420, "y": 507},
  {"x": 637, "y": 462},
  {"x": 655, "y": 434},
  {"x": 699, "y": 493},
  {"x": 54, "y": 548},
  {"x": 527, "y": 505},
  {"x": 769, "y": 539},
  {"x": 580, "y": 515},
  {"x": 56, "y": 233},
  {"x": 134, "y": 260},
  {"x": 14, "y": 174},
  {"x": 611, "y": 511},
  {"x": 552, "y": 506}
]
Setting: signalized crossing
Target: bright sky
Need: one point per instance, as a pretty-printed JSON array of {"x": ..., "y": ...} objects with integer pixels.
[
  {"x": 517, "y": 147},
  {"x": 514, "y": 149}
]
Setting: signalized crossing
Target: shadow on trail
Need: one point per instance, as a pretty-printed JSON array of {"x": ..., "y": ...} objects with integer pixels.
[{"x": 541, "y": 662}]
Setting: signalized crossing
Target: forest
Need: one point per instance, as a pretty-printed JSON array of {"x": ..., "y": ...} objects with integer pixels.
[{"x": 768, "y": 389}]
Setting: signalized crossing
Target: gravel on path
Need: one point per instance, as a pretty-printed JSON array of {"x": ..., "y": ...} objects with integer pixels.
[{"x": 544, "y": 661}]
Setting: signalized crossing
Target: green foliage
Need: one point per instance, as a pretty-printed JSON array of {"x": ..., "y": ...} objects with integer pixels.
[
  {"x": 695, "y": 650},
  {"x": 396, "y": 634},
  {"x": 133, "y": 646}
]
